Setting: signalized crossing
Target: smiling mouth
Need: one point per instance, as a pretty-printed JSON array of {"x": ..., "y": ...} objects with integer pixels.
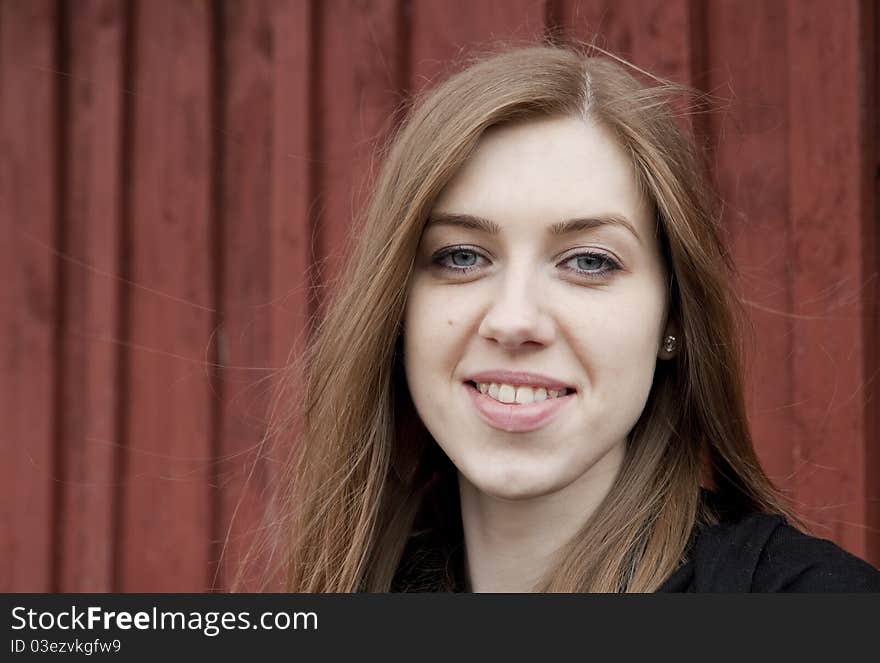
[
  {"x": 517, "y": 417},
  {"x": 509, "y": 394}
]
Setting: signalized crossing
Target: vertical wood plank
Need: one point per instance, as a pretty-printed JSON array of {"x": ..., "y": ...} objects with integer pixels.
[
  {"x": 749, "y": 65},
  {"x": 88, "y": 441},
  {"x": 167, "y": 516},
  {"x": 292, "y": 178},
  {"x": 604, "y": 23},
  {"x": 266, "y": 234},
  {"x": 245, "y": 336},
  {"x": 28, "y": 188},
  {"x": 359, "y": 86},
  {"x": 834, "y": 232},
  {"x": 870, "y": 40},
  {"x": 293, "y": 194},
  {"x": 446, "y": 31}
]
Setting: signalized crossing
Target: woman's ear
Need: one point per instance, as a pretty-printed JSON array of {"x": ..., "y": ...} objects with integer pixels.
[{"x": 670, "y": 344}]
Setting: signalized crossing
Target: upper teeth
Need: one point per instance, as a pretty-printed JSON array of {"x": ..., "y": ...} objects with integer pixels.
[{"x": 508, "y": 393}]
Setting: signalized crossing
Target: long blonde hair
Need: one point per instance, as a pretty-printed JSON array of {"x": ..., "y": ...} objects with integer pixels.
[{"x": 368, "y": 499}]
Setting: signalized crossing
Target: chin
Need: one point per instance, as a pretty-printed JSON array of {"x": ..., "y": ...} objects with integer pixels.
[{"x": 514, "y": 486}]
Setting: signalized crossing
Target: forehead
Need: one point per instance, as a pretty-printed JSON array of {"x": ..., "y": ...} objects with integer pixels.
[{"x": 547, "y": 170}]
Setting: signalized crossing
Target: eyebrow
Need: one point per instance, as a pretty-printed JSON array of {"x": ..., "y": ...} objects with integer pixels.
[{"x": 557, "y": 229}]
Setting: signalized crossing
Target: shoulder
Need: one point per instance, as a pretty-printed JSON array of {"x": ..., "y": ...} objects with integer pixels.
[{"x": 763, "y": 553}]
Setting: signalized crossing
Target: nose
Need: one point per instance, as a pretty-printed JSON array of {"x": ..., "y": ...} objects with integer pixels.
[{"x": 516, "y": 314}]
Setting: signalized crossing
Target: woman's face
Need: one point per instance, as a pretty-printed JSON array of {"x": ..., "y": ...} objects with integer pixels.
[{"x": 498, "y": 286}]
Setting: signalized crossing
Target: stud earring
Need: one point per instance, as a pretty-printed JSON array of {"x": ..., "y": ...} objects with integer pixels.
[{"x": 670, "y": 343}]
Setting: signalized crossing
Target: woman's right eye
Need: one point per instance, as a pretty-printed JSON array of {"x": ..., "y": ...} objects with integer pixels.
[{"x": 457, "y": 259}]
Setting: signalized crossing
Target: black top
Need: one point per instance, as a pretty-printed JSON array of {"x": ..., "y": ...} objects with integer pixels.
[{"x": 763, "y": 553}]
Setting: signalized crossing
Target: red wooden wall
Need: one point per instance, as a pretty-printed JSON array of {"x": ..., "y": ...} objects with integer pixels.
[{"x": 176, "y": 182}]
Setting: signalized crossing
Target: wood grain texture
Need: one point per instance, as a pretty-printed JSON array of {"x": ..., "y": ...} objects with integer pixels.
[
  {"x": 831, "y": 280},
  {"x": 264, "y": 213},
  {"x": 292, "y": 179},
  {"x": 748, "y": 74},
  {"x": 293, "y": 194},
  {"x": 358, "y": 88},
  {"x": 445, "y": 34},
  {"x": 870, "y": 39},
  {"x": 28, "y": 208},
  {"x": 167, "y": 525},
  {"x": 91, "y": 395}
]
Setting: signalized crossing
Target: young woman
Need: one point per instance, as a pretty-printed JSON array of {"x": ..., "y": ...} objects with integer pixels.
[{"x": 529, "y": 376}]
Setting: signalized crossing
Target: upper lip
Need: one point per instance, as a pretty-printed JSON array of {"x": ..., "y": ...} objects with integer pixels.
[{"x": 518, "y": 378}]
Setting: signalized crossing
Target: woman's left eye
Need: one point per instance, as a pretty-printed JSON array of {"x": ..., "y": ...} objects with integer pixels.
[{"x": 593, "y": 265}]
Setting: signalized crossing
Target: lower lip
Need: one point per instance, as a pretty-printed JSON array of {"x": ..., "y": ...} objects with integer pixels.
[{"x": 516, "y": 418}]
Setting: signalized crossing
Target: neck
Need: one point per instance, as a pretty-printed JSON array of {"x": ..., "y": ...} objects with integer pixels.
[{"x": 511, "y": 544}]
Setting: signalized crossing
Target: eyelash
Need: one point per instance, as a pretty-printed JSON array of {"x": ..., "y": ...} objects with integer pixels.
[{"x": 611, "y": 264}]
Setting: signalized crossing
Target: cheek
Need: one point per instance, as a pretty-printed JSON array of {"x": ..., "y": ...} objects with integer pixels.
[
  {"x": 429, "y": 331},
  {"x": 431, "y": 338},
  {"x": 420, "y": 319},
  {"x": 437, "y": 317},
  {"x": 617, "y": 338}
]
